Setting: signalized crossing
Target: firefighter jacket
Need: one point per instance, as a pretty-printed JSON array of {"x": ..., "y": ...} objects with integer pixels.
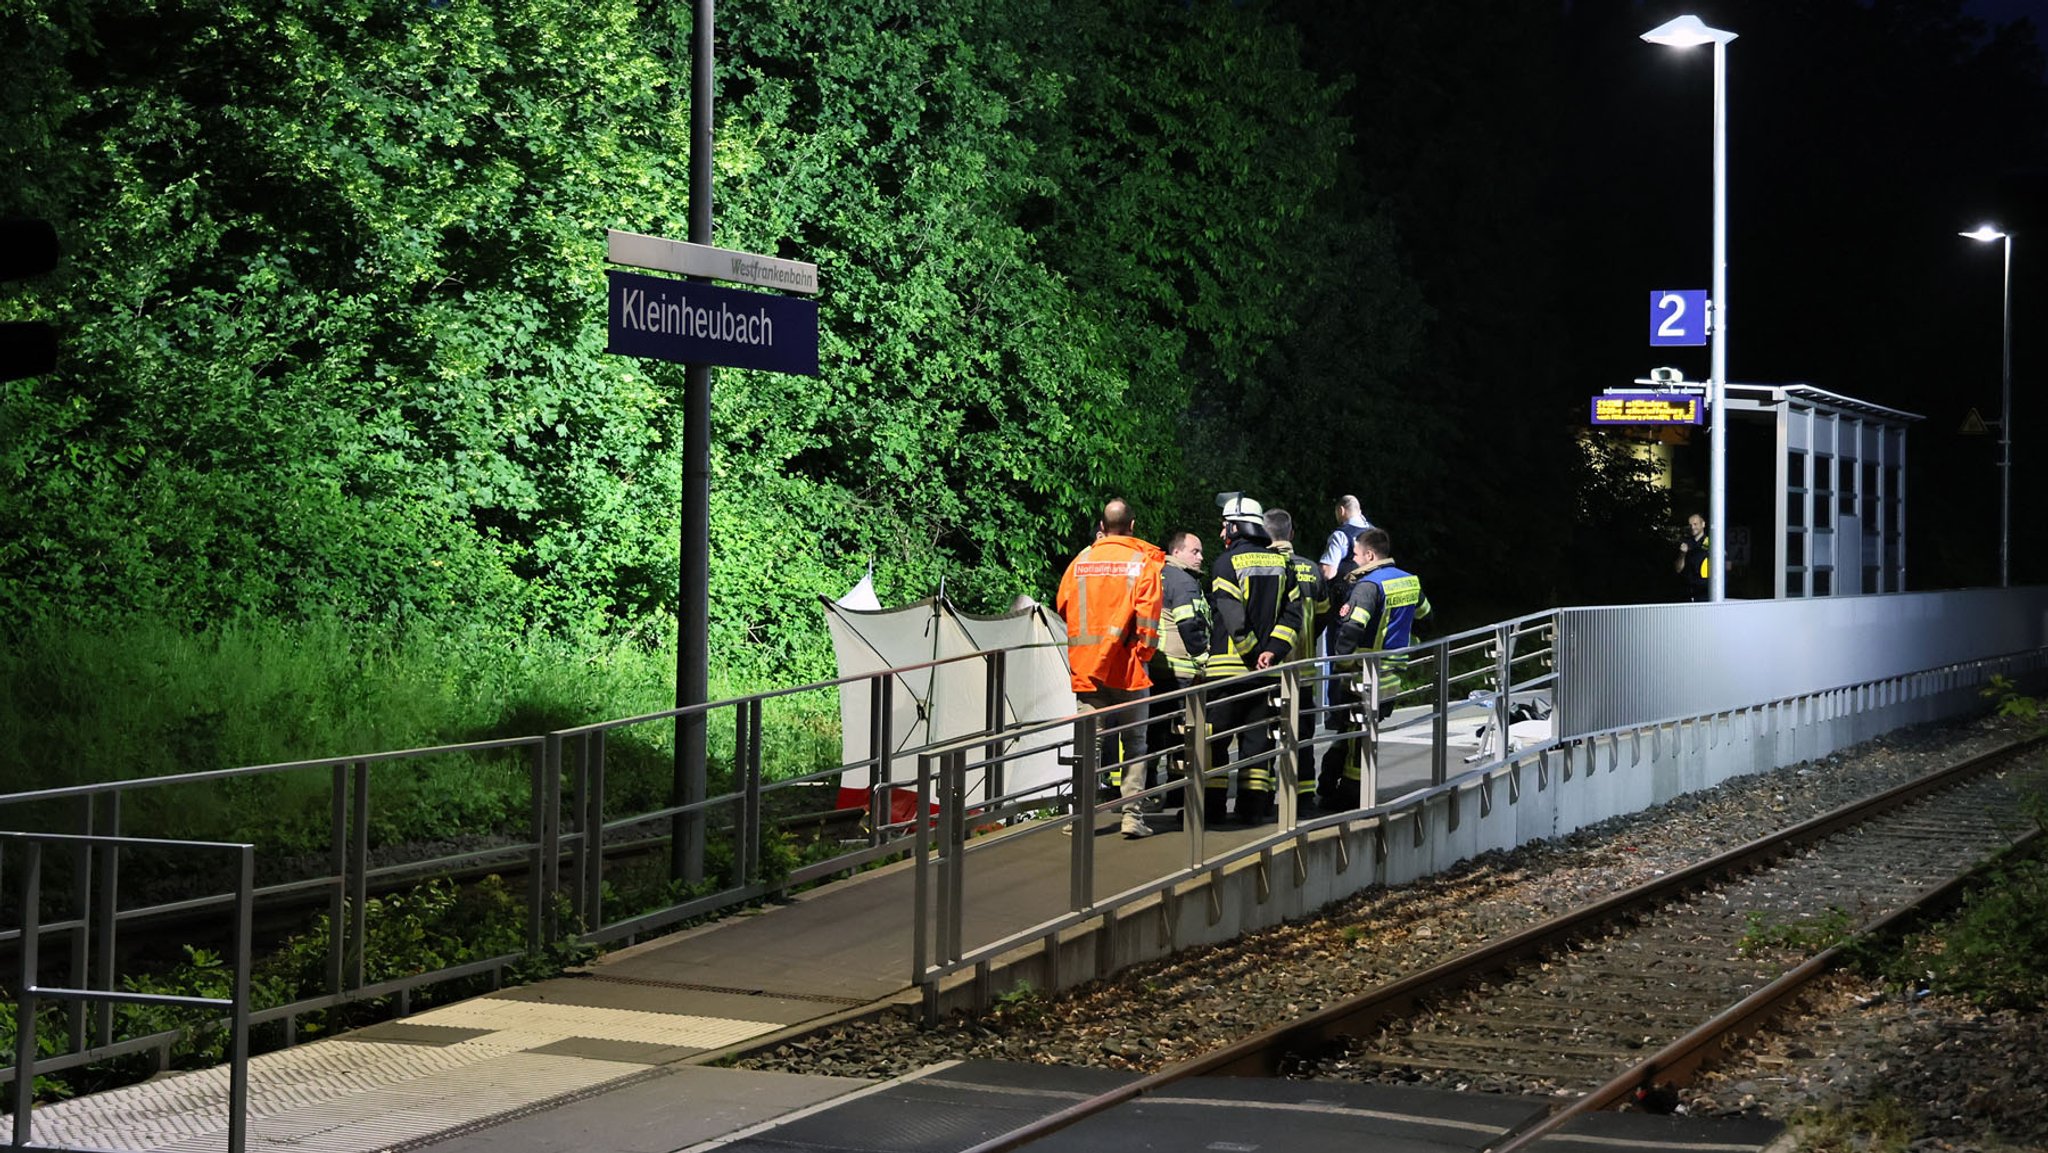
[
  {"x": 1184, "y": 637},
  {"x": 1110, "y": 597},
  {"x": 1315, "y": 598},
  {"x": 1255, "y": 604},
  {"x": 1381, "y": 613}
]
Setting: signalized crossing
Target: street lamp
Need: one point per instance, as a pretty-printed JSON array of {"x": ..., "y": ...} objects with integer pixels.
[
  {"x": 1986, "y": 234},
  {"x": 1689, "y": 32}
]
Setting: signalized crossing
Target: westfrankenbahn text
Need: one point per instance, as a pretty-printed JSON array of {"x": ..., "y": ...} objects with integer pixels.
[
  {"x": 688, "y": 322},
  {"x": 676, "y": 317}
]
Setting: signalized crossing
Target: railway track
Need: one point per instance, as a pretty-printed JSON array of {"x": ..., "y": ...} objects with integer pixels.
[{"x": 1626, "y": 997}]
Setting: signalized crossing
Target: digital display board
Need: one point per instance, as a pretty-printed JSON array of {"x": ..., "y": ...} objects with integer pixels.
[{"x": 1647, "y": 408}]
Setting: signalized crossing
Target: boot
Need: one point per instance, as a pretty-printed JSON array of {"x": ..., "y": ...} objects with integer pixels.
[{"x": 1215, "y": 807}]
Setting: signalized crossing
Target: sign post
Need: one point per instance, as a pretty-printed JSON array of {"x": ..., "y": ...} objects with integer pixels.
[{"x": 698, "y": 325}]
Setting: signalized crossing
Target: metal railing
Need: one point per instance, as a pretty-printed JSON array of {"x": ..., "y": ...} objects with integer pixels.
[
  {"x": 578, "y": 822},
  {"x": 1814, "y": 708},
  {"x": 564, "y": 830},
  {"x": 1491, "y": 666},
  {"x": 93, "y": 926}
]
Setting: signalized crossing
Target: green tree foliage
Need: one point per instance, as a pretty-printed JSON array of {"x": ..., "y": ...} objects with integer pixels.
[{"x": 332, "y": 303}]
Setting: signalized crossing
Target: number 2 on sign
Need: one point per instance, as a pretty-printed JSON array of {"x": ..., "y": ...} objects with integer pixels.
[
  {"x": 1672, "y": 327},
  {"x": 1672, "y": 316}
]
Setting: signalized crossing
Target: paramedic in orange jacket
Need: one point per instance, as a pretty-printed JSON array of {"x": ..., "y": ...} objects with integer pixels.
[{"x": 1110, "y": 598}]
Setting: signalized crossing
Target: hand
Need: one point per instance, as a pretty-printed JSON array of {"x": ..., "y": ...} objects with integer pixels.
[
  {"x": 1685, "y": 546},
  {"x": 1265, "y": 661}
]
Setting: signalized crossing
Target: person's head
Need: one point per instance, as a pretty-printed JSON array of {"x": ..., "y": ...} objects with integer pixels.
[
  {"x": 1697, "y": 523},
  {"x": 1347, "y": 509},
  {"x": 1372, "y": 545},
  {"x": 1280, "y": 524},
  {"x": 1185, "y": 548},
  {"x": 1117, "y": 519},
  {"x": 1242, "y": 517}
]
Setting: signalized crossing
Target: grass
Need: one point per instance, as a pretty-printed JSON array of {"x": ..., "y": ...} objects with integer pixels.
[{"x": 83, "y": 706}]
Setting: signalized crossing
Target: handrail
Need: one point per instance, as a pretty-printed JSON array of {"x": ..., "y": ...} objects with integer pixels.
[{"x": 29, "y": 989}]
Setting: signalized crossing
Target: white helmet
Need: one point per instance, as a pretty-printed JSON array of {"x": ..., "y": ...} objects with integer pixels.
[{"x": 1239, "y": 507}]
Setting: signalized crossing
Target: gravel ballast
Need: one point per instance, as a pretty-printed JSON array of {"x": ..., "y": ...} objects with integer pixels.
[{"x": 1165, "y": 1011}]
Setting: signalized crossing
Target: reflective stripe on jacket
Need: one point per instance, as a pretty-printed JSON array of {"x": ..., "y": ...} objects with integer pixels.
[
  {"x": 1308, "y": 578},
  {"x": 1110, "y": 597},
  {"x": 1256, "y": 606},
  {"x": 1381, "y": 613},
  {"x": 1184, "y": 633}
]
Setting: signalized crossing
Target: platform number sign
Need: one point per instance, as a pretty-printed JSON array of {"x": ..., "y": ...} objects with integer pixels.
[{"x": 1678, "y": 316}]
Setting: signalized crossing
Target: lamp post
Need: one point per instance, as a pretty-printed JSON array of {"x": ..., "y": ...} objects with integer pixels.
[
  {"x": 1689, "y": 32},
  {"x": 1986, "y": 234}
]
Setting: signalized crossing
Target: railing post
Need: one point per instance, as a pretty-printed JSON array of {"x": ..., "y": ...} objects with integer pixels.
[
  {"x": 1504, "y": 678},
  {"x": 1440, "y": 721},
  {"x": 25, "y": 990},
  {"x": 579, "y": 805},
  {"x": 593, "y": 835},
  {"x": 751, "y": 823},
  {"x": 337, "y": 866},
  {"x": 1081, "y": 854},
  {"x": 1195, "y": 777},
  {"x": 920, "y": 877},
  {"x": 881, "y": 736},
  {"x": 238, "y": 1028},
  {"x": 1287, "y": 767},
  {"x": 992, "y": 720},
  {"x": 1369, "y": 732},
  {"x": 551, "y": 835},
  {"x": 537, "y": 890},
  {"x": 359, "y": 878},
  {"x": 81, "y": 934},
  {"x": 954, "y": 810},
  {"x": 109, "y": 904}
]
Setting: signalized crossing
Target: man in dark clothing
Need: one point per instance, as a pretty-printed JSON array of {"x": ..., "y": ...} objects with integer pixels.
[
  {"x": 1379, "y": 616},
  {"x": 1694, "y": 556},
  {"x": 1308, "y": 578},
  {"x": 1183, "y": 647},
  {"x": 1257, "y": 614}
]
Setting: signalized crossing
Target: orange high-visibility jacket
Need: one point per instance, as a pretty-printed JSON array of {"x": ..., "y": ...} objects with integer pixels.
[{"x": 1110, "y": 597}]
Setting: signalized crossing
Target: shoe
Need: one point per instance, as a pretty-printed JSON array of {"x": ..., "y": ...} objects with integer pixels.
[{"x": 1136, "y": 829}]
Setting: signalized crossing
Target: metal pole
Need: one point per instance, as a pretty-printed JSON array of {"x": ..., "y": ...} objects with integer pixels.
[
  {"x": 2005, "y": 436},
  {"x": 1717, "y": 377},
  {"x": 693, "y": 610}
]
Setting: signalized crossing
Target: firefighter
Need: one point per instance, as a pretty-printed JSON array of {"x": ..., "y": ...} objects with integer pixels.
[
  {"x": 1183, "y": 647},
  {"x": 1257, "y": 612},
  {"x": 1308, "y": 578},
  {"x": 1110, "y": 597},
  {"x": 1379, "y": 616}
]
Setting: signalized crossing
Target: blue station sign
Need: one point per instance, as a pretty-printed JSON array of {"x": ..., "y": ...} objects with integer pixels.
[
  {"x": 1646, "y": 408},
  {"x": 693, "y": 323},
  {"x": 1678, "y": 316}
]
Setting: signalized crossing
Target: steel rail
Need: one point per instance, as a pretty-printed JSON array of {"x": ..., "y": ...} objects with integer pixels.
[
  {"x": 1263, "y": 1053},
  {"x": 1677, "y": 1062}
]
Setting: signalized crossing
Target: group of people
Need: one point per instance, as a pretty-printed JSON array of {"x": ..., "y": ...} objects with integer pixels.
[{"x": 1142, "y": 620}]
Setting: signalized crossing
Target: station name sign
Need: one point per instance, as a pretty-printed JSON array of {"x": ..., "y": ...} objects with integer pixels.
[
  {"x": 690, "y": 322},
  {"x": 1647, "y": 408}
]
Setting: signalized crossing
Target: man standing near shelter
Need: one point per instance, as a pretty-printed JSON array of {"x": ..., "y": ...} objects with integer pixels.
[
  {"x": 1110, "y": 597},
  {"x": 1694, "y": 559}
]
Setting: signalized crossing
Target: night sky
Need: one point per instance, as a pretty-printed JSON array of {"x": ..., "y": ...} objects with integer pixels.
[{"x": 1862, "y": 137}]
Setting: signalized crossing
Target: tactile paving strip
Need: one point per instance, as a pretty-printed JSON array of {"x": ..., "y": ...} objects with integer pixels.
[{"x": 345, "y": 1096}]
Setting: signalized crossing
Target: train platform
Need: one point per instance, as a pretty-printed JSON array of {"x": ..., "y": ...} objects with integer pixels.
[{"x": 615, "y": 1056}]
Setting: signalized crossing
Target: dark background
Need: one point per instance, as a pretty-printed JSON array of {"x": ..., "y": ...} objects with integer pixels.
[{"x": 1563, "y": 168}]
